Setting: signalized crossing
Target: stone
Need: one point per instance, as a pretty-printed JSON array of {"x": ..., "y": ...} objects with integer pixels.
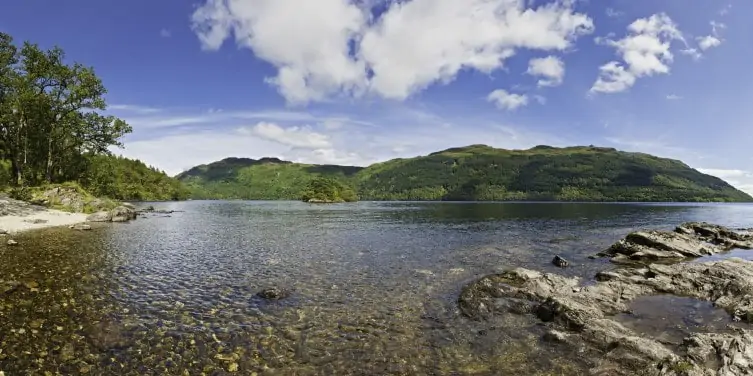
[
  {"x": 11, "y": 242},
  {"x": 689, "y": 240},
  {"x": 81, "y": 227},
  {"x": 122, "y": 214},
  {"x": 585, "y": 317},
  {"x": 560, "y": 262},
  {"x": 273, "y": 293},
  {"x": 102, "y": 216}
]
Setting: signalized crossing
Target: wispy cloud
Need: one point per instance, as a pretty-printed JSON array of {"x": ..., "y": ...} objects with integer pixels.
[
  {"x": 165, "y": 33},
  {"x": 133, "y": 109},
  {"x": 673, "y": 97}
]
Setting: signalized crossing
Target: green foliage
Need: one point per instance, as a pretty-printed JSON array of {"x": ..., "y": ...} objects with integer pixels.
[
  {"x": 51, "y": 131},
  {"x": 321, "y": 189},
  {"x": 126, "y": 179},
  {"x": 264, "y": 179},
  {"x": 476, "y": 172},
  {"x": 50, "y": 114}
]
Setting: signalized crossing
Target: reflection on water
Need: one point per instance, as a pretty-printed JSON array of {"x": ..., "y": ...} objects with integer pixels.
[
  {"x": 373, "y": 287},
  {"x": 672, "y": 318}
]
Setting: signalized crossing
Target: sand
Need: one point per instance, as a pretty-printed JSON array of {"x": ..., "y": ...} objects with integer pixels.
[{"x": 20, "y": 216}]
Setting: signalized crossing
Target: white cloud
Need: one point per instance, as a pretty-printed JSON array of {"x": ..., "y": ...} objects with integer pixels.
[
  {"x": 330, "y": 47},
  {"x": 613, "y": 13},
  {"x": 507, "y": 101},
  {"x": 740, "y": 179},
  {"x": 673, "y": 97},
  {"x": 130, "y": 108},
  {"x": 707, "y": 42},
  {"x": 645, "y": 51},
  {"x": 613, "y": 78},
  {"x": 551, "y": 68},
  {"x": 295, "y": 136},
  {"x": 164, "y": 33}
]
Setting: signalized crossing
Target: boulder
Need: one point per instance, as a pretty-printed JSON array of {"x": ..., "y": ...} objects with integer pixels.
[
  {"x": 123, "y": 214},
  {"x": 119, "y": 214},
  {"x": 560, "y": 261},
  {"x": 102, "y": 216}
]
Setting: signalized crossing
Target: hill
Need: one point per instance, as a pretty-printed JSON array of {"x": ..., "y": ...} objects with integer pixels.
[{"x": 476, "y": 172}]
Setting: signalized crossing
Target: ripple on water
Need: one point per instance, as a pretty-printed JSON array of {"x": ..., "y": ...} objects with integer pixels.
[{"x": 373, "y": 287}]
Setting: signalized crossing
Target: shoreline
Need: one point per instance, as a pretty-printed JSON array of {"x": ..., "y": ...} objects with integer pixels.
[{"x": 19, "y": 216}]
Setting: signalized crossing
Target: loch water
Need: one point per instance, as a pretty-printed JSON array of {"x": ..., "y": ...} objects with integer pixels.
[{"x": 373, "y": 287}]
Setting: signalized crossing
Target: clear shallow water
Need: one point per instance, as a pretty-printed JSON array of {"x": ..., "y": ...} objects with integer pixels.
[{"x": 373, "y": 287}]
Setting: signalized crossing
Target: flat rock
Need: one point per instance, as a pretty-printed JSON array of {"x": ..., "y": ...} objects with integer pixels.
[
  {"x": 689, "y": 240},
  {"x": 585, "y": 317},
  {"x": 273, "y": 293}
]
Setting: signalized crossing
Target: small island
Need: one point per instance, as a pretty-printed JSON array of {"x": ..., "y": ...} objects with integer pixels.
[{"x": 321, "y": 190}]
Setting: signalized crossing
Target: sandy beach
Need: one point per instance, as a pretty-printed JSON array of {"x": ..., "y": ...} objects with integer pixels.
[{"x": 18, "y": 216}]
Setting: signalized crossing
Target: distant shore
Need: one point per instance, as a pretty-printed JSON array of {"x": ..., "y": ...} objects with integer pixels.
[{"x": 19, "y": 216}]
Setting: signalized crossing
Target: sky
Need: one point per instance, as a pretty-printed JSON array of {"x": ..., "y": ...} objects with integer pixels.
[{"x": 361, "y": 81}]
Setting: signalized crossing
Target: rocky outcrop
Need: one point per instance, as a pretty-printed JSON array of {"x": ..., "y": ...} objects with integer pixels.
[
  {"x": 71, "y": 199},
  {"x": 689, "y": 240},
  {"x": 119, "y": 214},
  {"x": 586, "y": 317}
]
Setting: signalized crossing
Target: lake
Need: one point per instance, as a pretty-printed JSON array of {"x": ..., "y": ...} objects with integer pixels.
[{"x": 373, "y": 287}]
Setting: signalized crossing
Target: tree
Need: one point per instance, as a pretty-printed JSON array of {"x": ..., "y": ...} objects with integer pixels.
[{"x": 50, "y": 114}]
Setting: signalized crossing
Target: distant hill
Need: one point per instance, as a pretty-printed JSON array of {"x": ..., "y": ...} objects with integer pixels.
[{"x": 475, "y": 172}]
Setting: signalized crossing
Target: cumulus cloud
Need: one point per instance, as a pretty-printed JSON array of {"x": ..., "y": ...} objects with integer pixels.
[
  {"x": 506, "y": 100},
  {"x": 550, "y": 68},
  {"x": 645, "y": 51},
  {"x": 340, "y": 47},
  {"x": 295, "y": 136},
  {"x": 708, "y": 41}
]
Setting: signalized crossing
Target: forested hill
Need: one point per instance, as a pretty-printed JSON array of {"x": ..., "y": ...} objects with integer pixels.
[{"x": 475, "y": 172}]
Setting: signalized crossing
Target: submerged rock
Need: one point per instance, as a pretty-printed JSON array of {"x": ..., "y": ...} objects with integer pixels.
[
  {"x": 689, "y": 240},
  {"x": 273, "y": 293},
  {"x": 560, "y": 261},
  {"x": 584, "y": 317},
  {"x": 81, "y": 227}
]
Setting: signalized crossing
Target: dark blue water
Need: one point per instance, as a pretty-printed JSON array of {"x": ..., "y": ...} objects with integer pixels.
[{"x": 373, "y": 286}]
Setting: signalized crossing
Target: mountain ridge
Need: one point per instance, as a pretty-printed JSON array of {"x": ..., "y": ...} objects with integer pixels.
[{"x": 475, "y": 172}]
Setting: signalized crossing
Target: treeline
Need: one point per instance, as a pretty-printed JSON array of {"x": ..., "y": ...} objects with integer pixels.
[{"x": 52, "y": 129}]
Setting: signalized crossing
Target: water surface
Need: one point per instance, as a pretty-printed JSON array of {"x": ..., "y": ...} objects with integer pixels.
[{"x": 373, "y": 287}]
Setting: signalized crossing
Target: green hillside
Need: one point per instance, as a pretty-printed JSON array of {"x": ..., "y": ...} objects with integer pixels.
[{"x": 476, "y": 172}]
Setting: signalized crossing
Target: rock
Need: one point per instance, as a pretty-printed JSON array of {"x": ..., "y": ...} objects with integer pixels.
[
  {"x": 3, "y": 232},
  {"x": 584, "y": 317},
  {"x": 119, "y": 214},
  {"x": 102, "y": 216},
  {"x": 109, "y": 334},
  {"x": 35, "y": 221},
  {"x": 273, "y": 293},
  {"x": 123, "y": 214},
  {"x": 689, "y": 240},
  {"x": 8, "y": 287},
  {"x": 128, "y": 205},
  {"x": 12, "y": 242},
  {"x": 81, "y": 227},
  {"x": 560, "y": 262}
]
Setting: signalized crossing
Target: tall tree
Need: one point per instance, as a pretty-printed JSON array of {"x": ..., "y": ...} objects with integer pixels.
[{"x": 50, "y": 114}]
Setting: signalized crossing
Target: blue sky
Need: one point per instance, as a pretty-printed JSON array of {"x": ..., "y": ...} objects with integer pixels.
[{"x": 360, "y": 81}]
